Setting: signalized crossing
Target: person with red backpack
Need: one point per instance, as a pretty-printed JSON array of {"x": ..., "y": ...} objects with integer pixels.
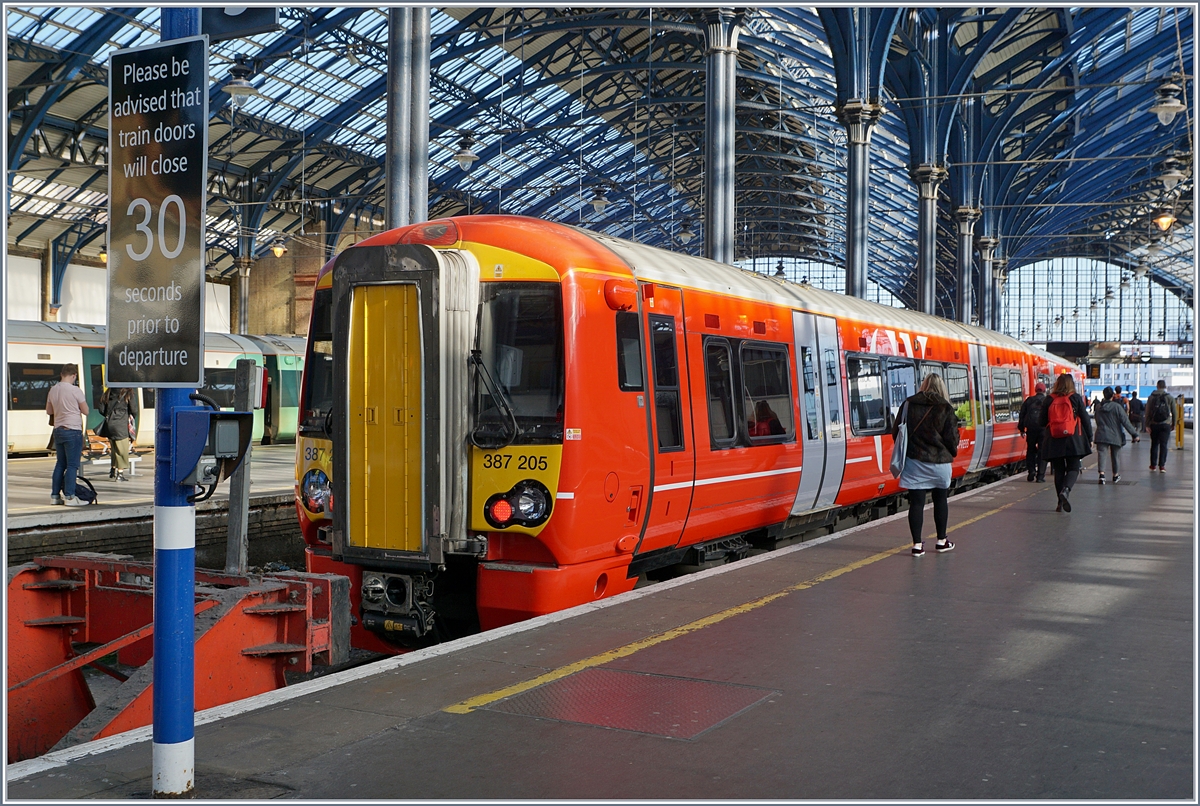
[{"x": 1068, "y": 437}]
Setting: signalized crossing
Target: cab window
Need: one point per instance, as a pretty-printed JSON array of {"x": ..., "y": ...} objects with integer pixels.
[{"x": 867, "y": 403}]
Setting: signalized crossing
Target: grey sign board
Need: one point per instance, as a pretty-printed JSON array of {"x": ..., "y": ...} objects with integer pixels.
[{"x": 158, "y": 167}]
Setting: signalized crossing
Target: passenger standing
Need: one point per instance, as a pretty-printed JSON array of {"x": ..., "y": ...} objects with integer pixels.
[
  {"x": 1160, "y": 419},
  {"x": 1111, "y": 425},
  {"x": 1068, "y": 437},
  {"x": 119, "y": 407},
  {"x": 1119, "y": 399},
  {"x": 932, "y": 446},
  {"x": 1029, "y": 424},
  {"x": 67, "y": 407},
  {"x": 1136, "y": 407}
]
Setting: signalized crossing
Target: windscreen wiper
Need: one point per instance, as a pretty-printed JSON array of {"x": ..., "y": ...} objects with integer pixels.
[{"x": 501, "y": 399}]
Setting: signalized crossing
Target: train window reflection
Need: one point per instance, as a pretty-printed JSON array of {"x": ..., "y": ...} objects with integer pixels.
[
  {"x": 29, "y": 384},
  {"x": 960, "y": 397},
  {"x": 867, "y": 405},
  {"x": 1000, "y": 395},
  {"x": 767, "y": 392},
  {"x": 833, "y": 395},
  {"x": 902, "y": 382},
  {"x": 629, "y": 351},
  {"x": 521, "y": 345},
  {"x": 812, "y": 418},
  {"x": 718, "y": 372},
  {"x": 666, "y": 384},
  {"x": 318, "y": 381}
]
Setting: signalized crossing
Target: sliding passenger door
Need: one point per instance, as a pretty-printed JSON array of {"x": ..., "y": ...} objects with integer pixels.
[
  {"x": 982, "y": 406},
  {"x": 672, "y": 445},
  {"x": 821, "y": 428}
]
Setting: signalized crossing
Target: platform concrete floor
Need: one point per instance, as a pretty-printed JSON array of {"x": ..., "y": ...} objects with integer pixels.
[{"x": 1050, "y": 656}]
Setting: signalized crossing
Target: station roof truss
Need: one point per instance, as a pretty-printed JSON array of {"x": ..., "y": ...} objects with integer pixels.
[{"x": 570, "y": 105}]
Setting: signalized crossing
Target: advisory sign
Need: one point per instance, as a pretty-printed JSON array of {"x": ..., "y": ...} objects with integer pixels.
[{"x": 158, "y": 164}]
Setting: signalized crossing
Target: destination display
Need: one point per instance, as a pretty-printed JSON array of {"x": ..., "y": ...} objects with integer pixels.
[{"x": 158, "y": 166}]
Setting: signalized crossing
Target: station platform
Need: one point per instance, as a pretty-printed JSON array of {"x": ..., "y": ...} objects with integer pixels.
[
  {"x": 122, "y": 519},
  {"x": 1049, "y": 656}
]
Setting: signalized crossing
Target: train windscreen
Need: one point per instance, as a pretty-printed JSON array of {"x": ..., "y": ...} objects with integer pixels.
[
  {"x": 519, "y": 372},
  {"x": 318, "y": 367}
]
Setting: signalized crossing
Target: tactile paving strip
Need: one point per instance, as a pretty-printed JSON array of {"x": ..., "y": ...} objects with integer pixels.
[{"x": 676, "y": 707}]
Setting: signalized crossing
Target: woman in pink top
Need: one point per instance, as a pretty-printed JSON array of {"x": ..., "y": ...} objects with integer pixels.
[{"x": 67, "y": 407}]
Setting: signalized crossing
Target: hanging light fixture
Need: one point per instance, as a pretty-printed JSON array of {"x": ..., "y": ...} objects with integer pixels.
[
  {"x": 779, "y": 269},
  {"x": 599, "y": 201},
  {"x": 104, "y": 255},
  {"x": 1171, "y": 175},
  {"x": 278, "y": 247},
  {"x": 239, "y": 88},
  {"x": 1154, "y": 247},
  {"x": 685, "y": 233},
  {"x": 1166, "y": 104},
  {"x": 1141, "y": 268},
  {"x": 1109, "y": 294},
  {"x": 1094, "y": 305},
  {"x": 1124, "y": 281},
  {"x": 1163, "y": 219},
  {"x": 465, "y": 156},
  {"x": 1075, "y": 314}
]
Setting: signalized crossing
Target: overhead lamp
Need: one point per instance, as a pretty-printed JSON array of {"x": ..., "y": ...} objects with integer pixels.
[
  {"x": 1163, "y": 219},
  {"x": 1124, "y": 281},
  {"x": 238, "y": 87},
  {"x": 1075, "y": 314},
  {"x": 1166, "y": 104},
  {"x": 779, "y": 269},
  {"x": 1036, "y": 327},
  {"x": 1109, "y": 294},
  {"x": 278, "y": 247},
  {"x": 103, "y": 255},
  {"x": 465, "y": 156},
  {"x": 1171, "y": 175},
  {"x": 599, "y": 201},
  {"x": 1094, "y": 305},
  {"x": 1141, "y": 268},
  {"x": 686, "y": 234},
  {"x": 1154, "y": 247}
]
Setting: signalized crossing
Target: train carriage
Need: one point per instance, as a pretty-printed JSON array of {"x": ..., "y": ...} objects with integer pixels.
[{"x": 503, "y": 417}]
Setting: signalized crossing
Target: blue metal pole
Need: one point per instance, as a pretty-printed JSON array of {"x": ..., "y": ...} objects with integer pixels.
[{"x": 174, "y": 697}]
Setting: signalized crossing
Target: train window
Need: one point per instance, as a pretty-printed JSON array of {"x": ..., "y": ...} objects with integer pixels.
[
  {"x": 960, "y": 396},
  {"x": 767, "y": 393},
  {"x": 901, "y": 381},
  {"x": 28, "y": 385},
  {"x": 928, "y": 368},
  {"x": 318, "y": 365},
  {"x": 666, "y": 384},
  {"x": 811, "y": 379},
  {"x": 97, "y": 384},
  {"x": 219, "y": 384},
  {"x": 833, "y": 395},
  {"x": 147, "y": 398},
  {"x": 1000, "y": 395},
  {"x": 867, "y": 404},
  {"x": 629, "y": 351},
  {"x": 1016, "y": 392},
  {"x": 718, "y": 372},
  {"x": 289, "y": 388}
]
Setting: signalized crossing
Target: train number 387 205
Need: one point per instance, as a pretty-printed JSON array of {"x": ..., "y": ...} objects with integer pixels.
[{"x": 502, "y": 461}]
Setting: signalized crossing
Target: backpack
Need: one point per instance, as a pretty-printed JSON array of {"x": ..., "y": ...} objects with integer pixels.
[
  {"x": 84, "y": 490},
  {"x": 1161, "y": 413},
  {"x": 1063, "y": 421},
  {"x": 1034, "y": 415}
]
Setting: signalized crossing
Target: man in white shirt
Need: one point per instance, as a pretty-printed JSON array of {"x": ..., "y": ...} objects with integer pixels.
[{"x": 67, "y": 407}]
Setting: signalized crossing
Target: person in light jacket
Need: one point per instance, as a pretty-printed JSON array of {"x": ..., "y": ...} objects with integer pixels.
[
  {"x": 1111, "y": 424},
  {"x": 932, "y": 446},
  {"x": 1065, "y": 454}
]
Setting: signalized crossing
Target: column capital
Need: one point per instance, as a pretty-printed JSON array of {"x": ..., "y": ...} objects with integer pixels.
[
  {"x": 986, "y": 245},
  {"x": 967, "y": 215},
  {"x": 722, "y": 24},
  {"x": 859, "y": 117},
  {"x": 243, "y": 265},
  {"x": 928, "y": 175}
]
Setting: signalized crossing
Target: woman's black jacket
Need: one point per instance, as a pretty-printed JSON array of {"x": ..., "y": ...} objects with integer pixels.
[
  {"x": 1078, "y": 444},
  {"x": 932, "y": 429}
]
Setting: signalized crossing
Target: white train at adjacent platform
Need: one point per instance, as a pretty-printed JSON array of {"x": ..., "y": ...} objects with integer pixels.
[{"x": 38, "y": 350}]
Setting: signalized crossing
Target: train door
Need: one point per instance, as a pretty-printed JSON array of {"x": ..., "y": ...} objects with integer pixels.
[
  {"x": 821, "y": 418},
  {"x": 671, "y": 430},
  {"x": 982, "y": 415},
  {"x": 91, "y": 380}
]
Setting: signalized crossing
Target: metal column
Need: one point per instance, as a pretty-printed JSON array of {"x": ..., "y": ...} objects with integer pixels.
[
  {"x": 418, "y": 149},
  {"x": 964, "y": 302},
  {"x": 927, "y": 177},
  {"x": 720, "y": 98},
  {"x": 399, "y": 117},
  {"x": 243, "y": 264},
  {"x": 859, "y": 117},
  {"x": 987, "y": 247}
]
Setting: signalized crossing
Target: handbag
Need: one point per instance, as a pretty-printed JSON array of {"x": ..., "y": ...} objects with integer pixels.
[
  {"x": 101, "y": 430},
  {"x": 900, "y": 444}
]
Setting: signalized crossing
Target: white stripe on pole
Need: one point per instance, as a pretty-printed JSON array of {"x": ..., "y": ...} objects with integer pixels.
[
  {"x": 174, "y": 528},
  {"x": 174, "y": 766}
]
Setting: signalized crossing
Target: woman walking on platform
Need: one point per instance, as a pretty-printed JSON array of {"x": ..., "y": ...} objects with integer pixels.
[
  {"x": 932, "y": 446},
  {"x": 1068, "y": 437},
  {"x": 120, "y": 410},
  {"x": 1111, "y": 425}
]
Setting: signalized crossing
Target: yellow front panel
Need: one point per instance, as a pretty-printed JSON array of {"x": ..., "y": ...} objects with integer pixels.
[
  {"x": 385, "y": 460},
  {"x": 498, "y": 471}
]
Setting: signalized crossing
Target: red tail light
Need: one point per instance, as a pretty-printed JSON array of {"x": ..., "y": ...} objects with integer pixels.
[{"x": 502, "y": 511}]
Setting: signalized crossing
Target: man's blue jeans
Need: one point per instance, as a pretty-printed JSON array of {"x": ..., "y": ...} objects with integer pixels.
[{"x": 69, "y": 444}]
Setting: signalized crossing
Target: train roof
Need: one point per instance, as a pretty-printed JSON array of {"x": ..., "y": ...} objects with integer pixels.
[{"x": 33, "y": 332}]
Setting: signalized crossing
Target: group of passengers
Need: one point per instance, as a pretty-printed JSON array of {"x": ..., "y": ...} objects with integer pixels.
[{"x": 1057, "y": 431}]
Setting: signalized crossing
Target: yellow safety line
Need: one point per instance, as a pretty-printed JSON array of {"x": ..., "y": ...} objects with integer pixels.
[{"x": 466, "y": 706}]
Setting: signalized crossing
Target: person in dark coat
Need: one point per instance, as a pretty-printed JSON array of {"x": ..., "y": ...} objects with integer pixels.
[
  {"x": 1160, "y": 420},
  {"x": 1136, "y": 407},
  {"x": 120, "y": 409},
  {"x": 1111, "y": 425},
  {"x": 1027, "y": 424},
  {"x": 1065, "y": 454},
  {"x": 932, "y": 446}
]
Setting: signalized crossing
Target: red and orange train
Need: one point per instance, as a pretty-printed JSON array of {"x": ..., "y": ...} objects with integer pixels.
[{"x": 504, "y": 417}]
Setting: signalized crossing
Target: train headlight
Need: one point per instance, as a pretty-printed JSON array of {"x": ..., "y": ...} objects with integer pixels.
[
  {"x": 315, "y": 491},
  {"x": 373, "y": 588},
  {"x": 526, "y": 504}
]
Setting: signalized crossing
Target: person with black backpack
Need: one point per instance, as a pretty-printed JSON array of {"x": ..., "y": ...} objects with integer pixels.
[
  {"x": 1029, "y": 426},
  {"x": 1160, "y": 419},
  {"x": 1068, "y": 437}
]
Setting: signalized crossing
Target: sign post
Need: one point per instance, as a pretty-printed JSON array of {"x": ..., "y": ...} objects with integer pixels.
[{"x": 158, "y": 167}]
